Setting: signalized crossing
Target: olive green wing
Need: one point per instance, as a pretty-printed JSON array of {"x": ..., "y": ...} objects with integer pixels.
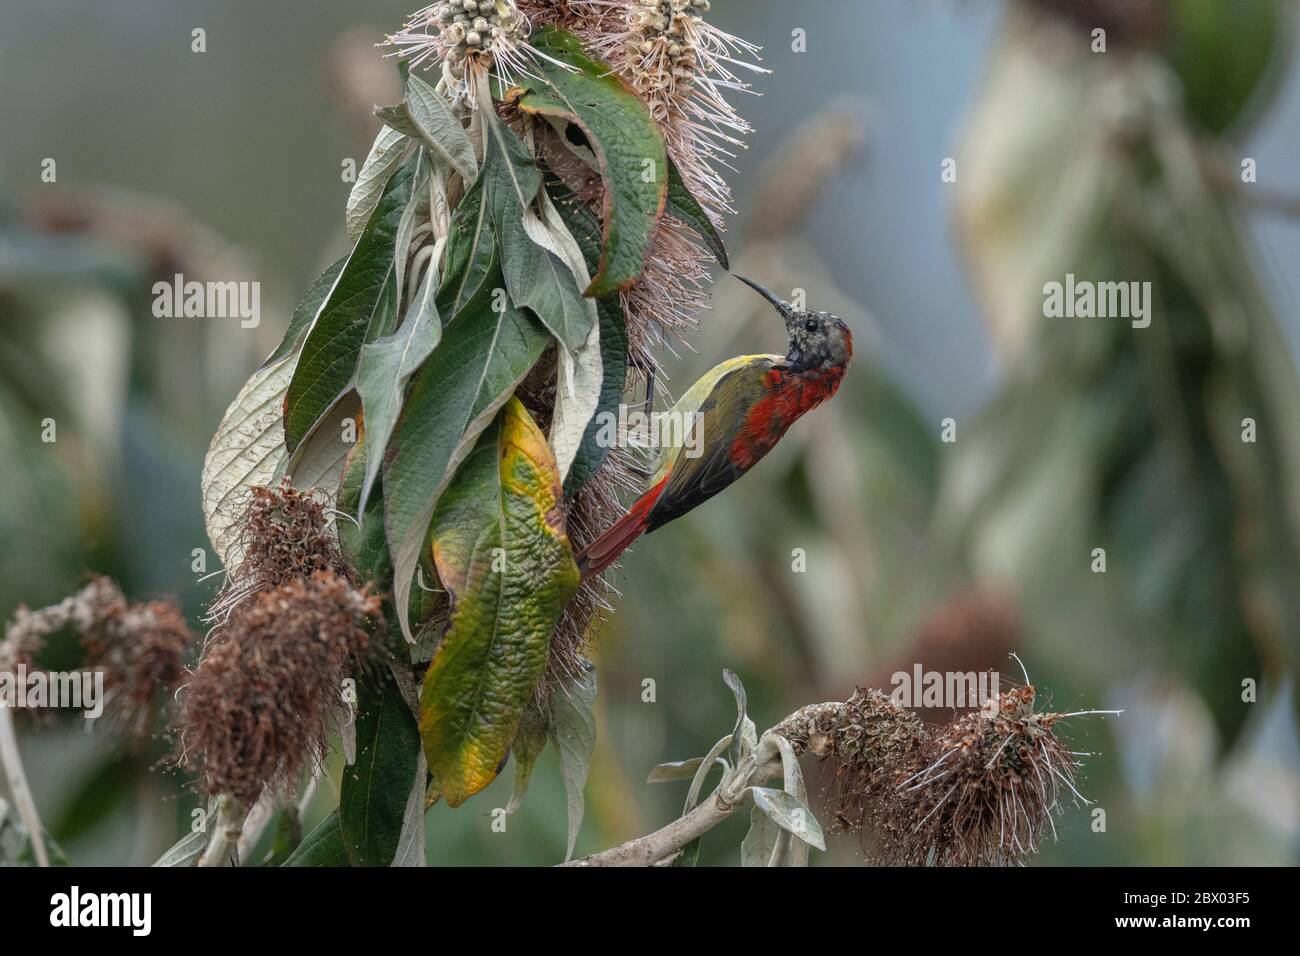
[{"x": 700, "y": 465}]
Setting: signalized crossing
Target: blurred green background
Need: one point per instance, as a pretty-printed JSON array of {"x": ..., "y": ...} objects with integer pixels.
[{"x": 1071, "y": 434}]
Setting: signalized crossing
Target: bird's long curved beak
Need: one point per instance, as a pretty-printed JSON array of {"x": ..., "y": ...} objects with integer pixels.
[{"x": 781, "y": 305}]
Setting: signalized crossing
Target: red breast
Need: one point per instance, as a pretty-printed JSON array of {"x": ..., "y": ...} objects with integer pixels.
[{"x": 789, "y": 395}]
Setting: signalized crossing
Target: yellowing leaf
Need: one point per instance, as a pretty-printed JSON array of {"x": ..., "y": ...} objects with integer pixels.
[{"x": 500, "y": 550}]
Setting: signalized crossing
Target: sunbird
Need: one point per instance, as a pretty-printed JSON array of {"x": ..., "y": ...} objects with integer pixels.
[{"x": 745, "y": 405}]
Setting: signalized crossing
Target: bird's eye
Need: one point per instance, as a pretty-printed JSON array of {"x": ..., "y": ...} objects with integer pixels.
[{"x": 810, "y": 325}]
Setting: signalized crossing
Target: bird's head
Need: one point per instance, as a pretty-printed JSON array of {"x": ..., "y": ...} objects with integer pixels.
[{"x": 816, "y": 338}]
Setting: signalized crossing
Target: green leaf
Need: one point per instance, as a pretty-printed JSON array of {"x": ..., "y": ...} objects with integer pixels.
[
  {"x": 626, "y": 140},
  {"x": 323, "y": 846},
  {"x": 675, "y": 770},
  {"x": 534, "y": 272},
  {"x": 305, "y": 313},
  {"x": 573, "y": 728},
  {"x": 683, "y": 205},
  {"x": 361, "y": 307},
  {"x": 745, "y": 735},
  {"x": 501, "y": 552},
  {"x": 530, "y": 741},
  {"x": 385, "y": 367},
  {"x": 411, "y": 843},
  {"x": 386, "y": 155},
  {"x": 578, "y": 377},
  {"x": 373, "y": 796},
  {"x": 796, "y": 853},
  {"x": 318, "y": 460},
  {"x": 440, "y": 128},
  {"x": 789, "y": 813},
  {"x": 760, "y": 843},
  {"x": 362, "y": 542},
  {"x": 472, "y": 267},
  {"x": 483, "y": 356},
  {"x": 585, "y": 229}
]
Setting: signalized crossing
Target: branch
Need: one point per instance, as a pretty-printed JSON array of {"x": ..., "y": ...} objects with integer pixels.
[
  {"x": 800, "y": 728},
  {"x": 225, "y": 835},
  {"x": 11, "y": 761},
  {"x": 657, "y": 846}
]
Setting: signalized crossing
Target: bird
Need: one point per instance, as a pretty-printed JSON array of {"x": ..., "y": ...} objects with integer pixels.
[{"x": 745, "y": 406}]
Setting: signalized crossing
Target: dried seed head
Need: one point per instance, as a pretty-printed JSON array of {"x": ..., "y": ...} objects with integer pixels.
[
  {"x": 260, "y": 704},
  {"x": 141, "y": 649},
  {"x": 285, "y": 535},
  {"x": 981, "y": 791}
]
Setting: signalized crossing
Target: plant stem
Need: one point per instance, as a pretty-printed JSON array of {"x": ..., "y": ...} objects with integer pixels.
[
  {"x": 799, "y": 728},
  {"x": 649, "y": 850},
  {"x": 225, "y": 835},
  {"x": 12, "y": 762}
]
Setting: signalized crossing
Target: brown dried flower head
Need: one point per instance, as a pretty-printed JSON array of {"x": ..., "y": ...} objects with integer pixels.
[
  {"x": 981, "y": 791},
  {"x": 141, "y": 650},
  {"x": 262, "y": 701},
  {"x": 285, "y": 535}
]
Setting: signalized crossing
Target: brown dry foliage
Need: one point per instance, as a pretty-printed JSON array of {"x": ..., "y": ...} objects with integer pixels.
[
  {"x": 980, "y": 791},
  {"x": 261, "y": 703},
  {"x": 290, "y": 624}
]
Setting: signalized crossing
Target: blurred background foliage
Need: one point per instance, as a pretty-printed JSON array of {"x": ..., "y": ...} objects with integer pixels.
[{"x": 1072, "y": 434}]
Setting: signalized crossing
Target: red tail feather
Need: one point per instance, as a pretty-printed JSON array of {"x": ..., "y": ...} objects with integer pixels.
[{"x": 605, "y": 550}]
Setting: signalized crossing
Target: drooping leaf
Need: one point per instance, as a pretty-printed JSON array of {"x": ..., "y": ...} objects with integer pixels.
[
  {"x": 185, "y": 851},
  {"x": 681, "y": 204},
  {"x": 386, "y": 155},
  {"x": 387, "y": 364},
  {"x": 745, "y": 736},
  {"x": 410, "y": 843},
  {"x": 796, "y": 853},
  {"x": 500, "y": 551},
  {"x": 440, "y": 128},
  {"x": 374, "y": 791},
  {"x": 483, "y": 356},
  {"x": 530, "y": 741},
  {"x": 247, "y": 449},
  {"x": 471, "y": 255},
  {"x": 789, "y": 813},
  {"x": 361, "y": 307},
  {"x": 691, "y": 851},
  {"x": 417, "y": 210},
  {"x": 760, "y": 843},
  {"x": 675, "y": 770},
  {"x": 573, "y": 728},
  {"x": 305, "y": 313},
  {"x": 585, "y": 229},
  {"x": 627, "y": 143},
  {"x": 535, "y": 275},
  {"x": 578, "y": 377},
  {"x": 323, "y": 846},
  {"x": 362, "y": 542},
  {"x": 318, "y": 460}
]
